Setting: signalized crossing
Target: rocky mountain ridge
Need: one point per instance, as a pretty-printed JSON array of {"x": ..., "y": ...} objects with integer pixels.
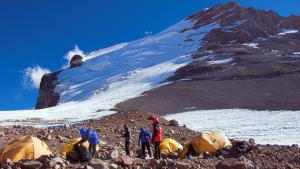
[{"x": 250, "y": 62}]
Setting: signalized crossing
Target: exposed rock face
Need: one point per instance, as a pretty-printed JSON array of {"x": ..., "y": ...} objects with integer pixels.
[
  {"x": 76, "y": 61},
  {"x": 47, "y": 96},
  {"x": 246, "y": 63}
]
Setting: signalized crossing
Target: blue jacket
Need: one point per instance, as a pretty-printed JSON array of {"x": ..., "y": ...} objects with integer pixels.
[
  {"x": 93, "y": 138},
  {"x": 144, "y": 136},
  {"x": 90, "y": 136}
]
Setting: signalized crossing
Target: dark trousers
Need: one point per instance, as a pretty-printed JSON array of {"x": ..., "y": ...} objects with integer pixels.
[
  {"x": 144, "y": 145},
  {"x": 157, "y": 150},
  {"x": 127, "y": 150},
  {"x": 92, "y": 150}
]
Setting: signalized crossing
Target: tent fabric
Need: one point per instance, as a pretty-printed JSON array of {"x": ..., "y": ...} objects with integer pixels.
[
  {"x": 207, "y": 141},
  {"x": 69, "y": 146},
  {"x": 24, "y": 147},
  {"x": 169, "y": 145}
]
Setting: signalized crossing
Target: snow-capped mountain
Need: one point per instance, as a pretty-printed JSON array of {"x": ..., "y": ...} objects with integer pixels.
[
  {"x": 216, "y": 36},
  {"x": 215, "y": 59}
]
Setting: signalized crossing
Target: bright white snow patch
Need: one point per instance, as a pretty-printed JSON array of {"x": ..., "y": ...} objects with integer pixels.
[
  {"x": 251, "y": 45},
  {"x": 296, "y": 55},
  {"x": 266, "y": 127},
  {"x": 223, "y": 61},
  {"x": 33, "y": 75},
  {"x": 288, "y": 31},
  {"x": 105, "y": 51}
]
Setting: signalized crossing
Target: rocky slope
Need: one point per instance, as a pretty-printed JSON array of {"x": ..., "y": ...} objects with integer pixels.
[
  {"x": 110, "y": 129},
  {"x": 250, "y": 62}
]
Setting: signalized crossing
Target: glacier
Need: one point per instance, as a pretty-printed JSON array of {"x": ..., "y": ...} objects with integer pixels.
[{"x": 266, "y": 127}]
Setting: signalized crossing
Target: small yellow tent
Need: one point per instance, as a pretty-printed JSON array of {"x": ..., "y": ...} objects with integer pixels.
[
  {"x": 69, "y": 146},
  {"x": 24, "y": 147},
  {"x": 207, "y": 141},
  {"x": 169, "y": 145}
]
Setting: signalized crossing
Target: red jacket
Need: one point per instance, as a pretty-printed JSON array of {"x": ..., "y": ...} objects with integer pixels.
[{"x": 157, "y": 135}]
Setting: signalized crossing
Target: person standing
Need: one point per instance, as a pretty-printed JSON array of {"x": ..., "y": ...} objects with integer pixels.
[
  {"x": 127, "y": 135},
  {"x": 145, "y": 138},
  {"x": 156, "y": 137}
]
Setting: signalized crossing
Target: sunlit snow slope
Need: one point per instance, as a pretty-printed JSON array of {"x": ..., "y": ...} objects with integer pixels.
[
  {"x": 145, "y": 63},
  {"x": 266, "y": 127},
  {"x": 112, "y": 75}
]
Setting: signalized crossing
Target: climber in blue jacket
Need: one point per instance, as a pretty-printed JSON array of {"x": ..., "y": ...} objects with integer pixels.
[
  {"x": 90, "y": 136},
  {"x": 145, "y": 138}
]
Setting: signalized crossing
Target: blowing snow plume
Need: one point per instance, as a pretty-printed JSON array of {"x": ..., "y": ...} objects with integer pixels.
[{"x": 33, "y": 75}]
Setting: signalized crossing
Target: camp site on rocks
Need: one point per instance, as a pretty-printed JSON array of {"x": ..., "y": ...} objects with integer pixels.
[{"x": 217, "y": 90}]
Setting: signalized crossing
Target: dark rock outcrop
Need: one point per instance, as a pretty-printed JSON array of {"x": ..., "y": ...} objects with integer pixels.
[
  {"x": 237, "y": 23},
  {"x": 76, "y": 61},
  {"x": 47, "y": 96}
]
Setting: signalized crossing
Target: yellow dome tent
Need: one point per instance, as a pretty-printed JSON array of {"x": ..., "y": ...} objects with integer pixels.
[
  {"x": 169, "y": 145},
  {"x": 69, "y": 146},
  {"x": 24, "y": 147},
  {"x": 207, "y": 141}
]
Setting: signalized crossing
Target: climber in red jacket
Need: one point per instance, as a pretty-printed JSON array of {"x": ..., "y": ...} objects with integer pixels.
[{"x": 156, "y": 137}]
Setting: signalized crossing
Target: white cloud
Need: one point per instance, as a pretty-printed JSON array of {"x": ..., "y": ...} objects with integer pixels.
[
  {"x": 33, "y": 75},
  {"x": 148, "y": 33}
]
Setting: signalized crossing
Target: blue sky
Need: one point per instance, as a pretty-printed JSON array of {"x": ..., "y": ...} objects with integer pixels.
[{"x": 35, "y": 32}]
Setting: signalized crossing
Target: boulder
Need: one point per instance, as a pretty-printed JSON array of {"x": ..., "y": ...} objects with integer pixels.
[
  {"x": 154, "y": 163},
  {"x": 182, "y": 165},
  {"x": 31, "y": 165},
  {"x": 114, "y": 154},
  {"x": 7, "y": 164},
  {"x": 45, "y": 160},
  {"x": 76, "y": 61},
  {"x": 172, "y": 132},
  {"x": 131, "y": 120},
  {"x": 57, "y": 161},
  {"x": 163, "y": 163},
  {"x": 127, "y": 161},
  {"x": 48, "y": 137},
  {"x": 113, "y": 166},
  {"x": 98, "y": 164},
  {"x": 233, "y": 163},
  {"x": 88, "y": 167},
  {"x": 2, "y": 134},
  {"x": 173, "y": 123}
]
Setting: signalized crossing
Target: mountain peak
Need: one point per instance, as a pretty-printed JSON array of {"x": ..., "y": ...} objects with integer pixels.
[
  {"x": 237, "y": 23},
  {"x": 215, "y": 13}
]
